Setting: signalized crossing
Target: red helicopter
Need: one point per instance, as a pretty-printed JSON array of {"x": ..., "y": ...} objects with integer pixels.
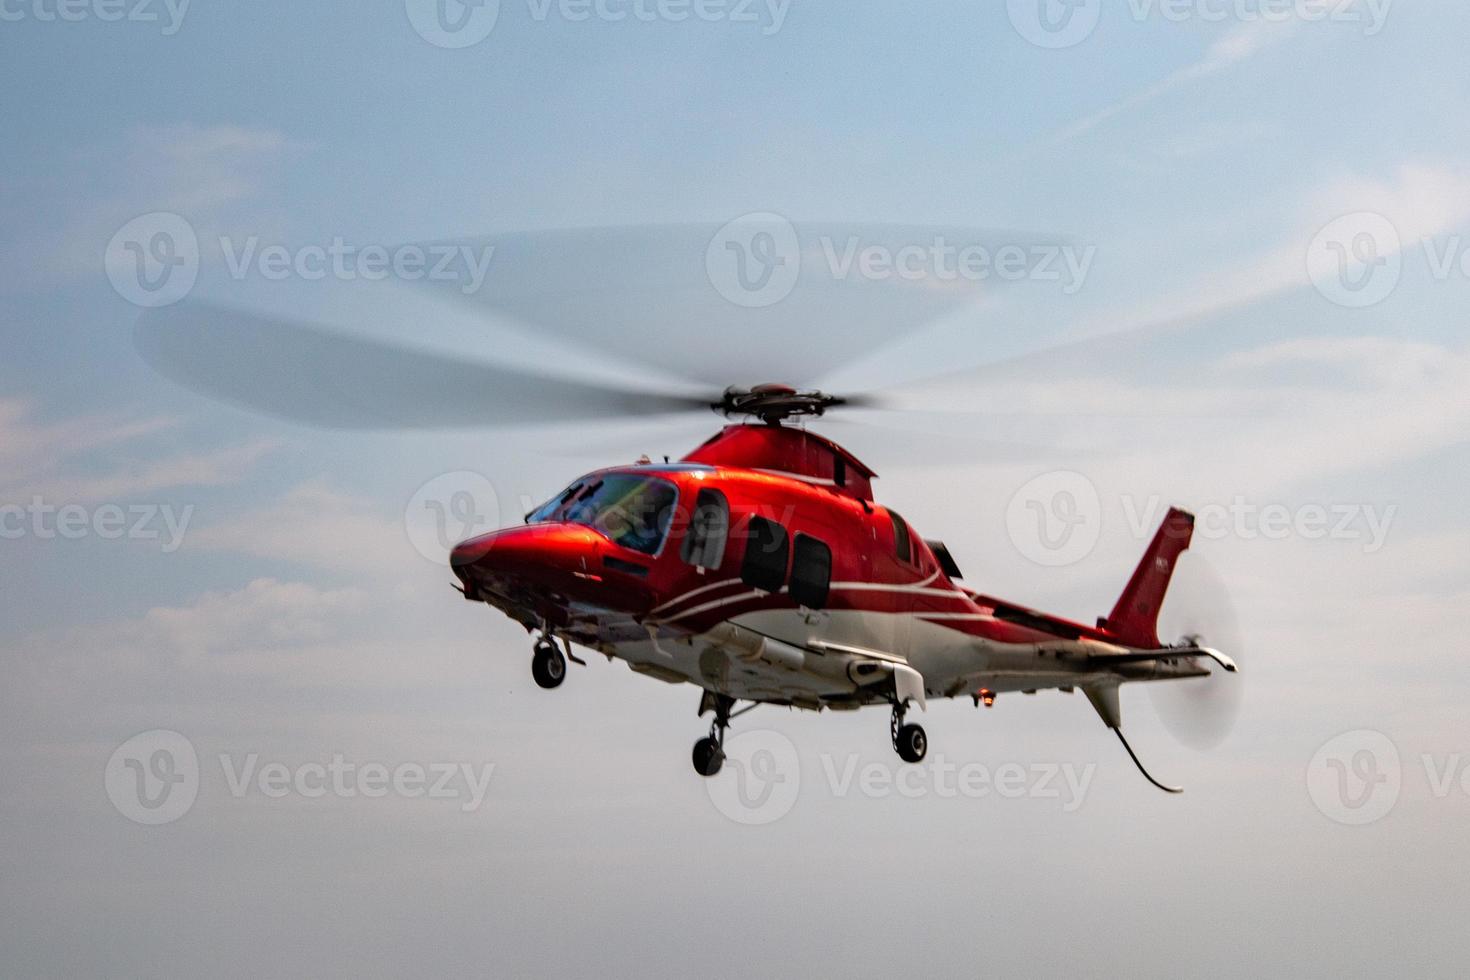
[{"x": 759, "y": 567}]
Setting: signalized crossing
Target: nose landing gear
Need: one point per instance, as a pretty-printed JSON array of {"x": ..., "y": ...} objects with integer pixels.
[
  {"x": 548, "y": 666},
  {"x": 909, "y": 741},
  {"x": 709, "y": 752}
]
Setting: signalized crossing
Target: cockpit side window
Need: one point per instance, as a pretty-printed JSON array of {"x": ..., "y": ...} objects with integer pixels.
[
  {"x": 811, "y": 572},
  {"x": 766, "y": 550},
  {"x": 709, "y": 527},
  {"x": 902, "y": 544}
]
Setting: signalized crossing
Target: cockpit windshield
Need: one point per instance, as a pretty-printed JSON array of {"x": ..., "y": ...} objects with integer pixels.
[{"x": 630, "y": 510}]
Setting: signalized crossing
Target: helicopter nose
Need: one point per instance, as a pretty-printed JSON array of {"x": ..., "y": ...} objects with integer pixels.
[
  {"x": 552, "y": 556},
  {"x": 528, "y": 549}
]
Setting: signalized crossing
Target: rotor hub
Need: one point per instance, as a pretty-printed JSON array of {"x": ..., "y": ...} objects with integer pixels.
[{"x": 774, "y": 403}]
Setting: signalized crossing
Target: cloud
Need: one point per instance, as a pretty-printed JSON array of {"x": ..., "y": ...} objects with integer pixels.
[
  {"x": 319, "y": 528},
  {"x": 79, "y": 460},
  {"x": 1284, "y": 413},
  {"x": 1239, "y": 45},
  {"x": 241, "y": 656},
  {"x": 264, "y": 615},
  {"x": 1367, "y": 361},
  {"x": 260, "y": 629},
  {"x": 201, "y": 169},
  {"x": 58, "y": 226},
  {"x": 1420, "y": 199}
]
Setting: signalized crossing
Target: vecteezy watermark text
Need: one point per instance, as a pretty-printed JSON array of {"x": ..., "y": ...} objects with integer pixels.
[
  {"x": 463, "y": 23},
  {"x": 1371, "y": 15},
  {"x": 757, "y": 259},
  {"x": 766, "y": 15},
  {"x": 168, "y": 12},
  {"x": 947, "y": 780},
  {"x": 1057, "y": 24},
  {"x": 110, "y": 522},
  {"x": 154, "y": 260},
  {"x": 339, "y": 778},
  {"x": 1249, "y": 520},
  {"x": 1357, "y": 260},
  {"x": 339, "y": 260},
  {"x": 762, "y": 778},
  {"x": 1056, "y": 519},
  {"x": 1357, "y": 778},
  {"x": 942, "y": 261},
  {"x": 155, "y": 777}
]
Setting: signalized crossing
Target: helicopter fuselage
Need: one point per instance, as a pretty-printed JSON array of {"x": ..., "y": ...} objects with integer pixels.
[{"x": 775, "y": 583}]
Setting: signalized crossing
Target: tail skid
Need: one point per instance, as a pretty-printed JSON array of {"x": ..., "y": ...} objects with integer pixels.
[
  {"x": 1105, "y": 700},
  {"x": 1134, "y": 756}
]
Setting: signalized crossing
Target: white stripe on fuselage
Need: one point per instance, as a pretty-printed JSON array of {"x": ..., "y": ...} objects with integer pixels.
[
  {"x": 705, "y": 607},
  {"x": 913, "y": 588},
  {"x": 691, "y": 594}
]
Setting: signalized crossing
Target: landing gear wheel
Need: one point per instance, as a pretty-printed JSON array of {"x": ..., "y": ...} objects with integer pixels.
[
  {"x": 709, "y": 752},
  {"x": 708, "y": 757},
  {"x": 912, "y": 743},
  {"x": 548, "y": 665}
]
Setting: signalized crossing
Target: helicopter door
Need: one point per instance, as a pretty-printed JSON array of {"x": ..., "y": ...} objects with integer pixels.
[{"x": 902, "y": 567}]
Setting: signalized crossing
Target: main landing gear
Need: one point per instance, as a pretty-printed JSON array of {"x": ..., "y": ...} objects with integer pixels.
[
  {"x": 548, "y": 665},
  {"x": 909, "y": 741},
  {"x": 709, "y": 752}
]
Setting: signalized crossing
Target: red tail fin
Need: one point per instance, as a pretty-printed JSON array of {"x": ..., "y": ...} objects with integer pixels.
[{"x": 1134, "y": 620}]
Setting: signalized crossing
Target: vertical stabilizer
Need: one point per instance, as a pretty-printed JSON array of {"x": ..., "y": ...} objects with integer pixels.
[{"x": 1134, "y": 620}]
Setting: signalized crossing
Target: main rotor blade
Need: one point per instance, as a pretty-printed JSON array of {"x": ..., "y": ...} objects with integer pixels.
[
  {"x": 759, "y": 299},
  {"x": 312, "y": 374}
]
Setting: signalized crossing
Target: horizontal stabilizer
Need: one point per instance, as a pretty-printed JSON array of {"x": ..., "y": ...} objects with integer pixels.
[{"x": 1166, "y": 653}]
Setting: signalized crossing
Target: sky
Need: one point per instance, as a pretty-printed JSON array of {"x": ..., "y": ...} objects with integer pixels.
[{"x": 247, "y": 728}]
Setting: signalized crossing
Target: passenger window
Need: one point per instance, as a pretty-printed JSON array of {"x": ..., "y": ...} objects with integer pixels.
[
  {"x": 901, "y": 543},
  {"x": 709, "y": 526},
  {"x": 764, "y": 566},
  {"x": 811, "y": 572}
]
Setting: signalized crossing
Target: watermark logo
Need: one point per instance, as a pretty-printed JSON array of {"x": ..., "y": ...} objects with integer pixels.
[
  {"x": 153, "y": 777},
  {"x": 1055, "y": 519},
  {"x": 760, "y": 780},
  {"x": 1054, "y": 24},
  {"x": 755, "y": 260},
  {"x": 453, "y": 23},
  {"x": 449, "y": 509},
  {"x": 1355, "y": 778},
  {"x": 153, "y": 260},
  {"x": 1356, "y": 260}
]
